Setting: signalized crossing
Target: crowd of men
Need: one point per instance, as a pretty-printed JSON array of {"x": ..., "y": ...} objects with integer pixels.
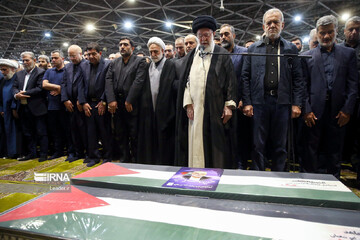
[{"x": 193, "y": 104}]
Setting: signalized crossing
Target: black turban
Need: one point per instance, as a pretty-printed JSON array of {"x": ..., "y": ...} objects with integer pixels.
[{"x": 204, "y": 22}]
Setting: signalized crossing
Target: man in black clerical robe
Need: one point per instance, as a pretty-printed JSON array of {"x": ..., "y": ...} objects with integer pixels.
[
  {"x": 157, "y": 109},
  {"x": 219, "y": 92}
]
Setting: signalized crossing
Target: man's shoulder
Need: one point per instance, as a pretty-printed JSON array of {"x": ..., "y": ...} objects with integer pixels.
[
  {"x": 39, "y": 71},
  {"x": 344, "y": 49},
  {"x": 239, "y": 49}
]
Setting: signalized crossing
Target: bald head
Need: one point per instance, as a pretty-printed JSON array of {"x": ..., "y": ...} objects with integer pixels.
[{"x": 74, "y": 53}]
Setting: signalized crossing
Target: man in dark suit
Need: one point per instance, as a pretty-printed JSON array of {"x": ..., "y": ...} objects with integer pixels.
[
  {"x": 92, "y": 98},
  {"x": 27, "y": 89},
  {"x": 351, "y": 150},
  {"x": 241, "y": 125},
  {"x": 332, "y": 86},
  {"x": 267, "y": 94},
  {"x": 69, "y": 96},
  {"x": 124, "y": 82}
]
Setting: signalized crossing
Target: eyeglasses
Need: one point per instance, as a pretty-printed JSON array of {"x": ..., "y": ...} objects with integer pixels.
[{"x": 204, "y": 35}]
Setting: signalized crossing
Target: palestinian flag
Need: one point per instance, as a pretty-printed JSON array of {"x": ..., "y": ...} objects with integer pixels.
[
  {"x": 274, "y": 187},
  {"x": 95, "y": 213}
]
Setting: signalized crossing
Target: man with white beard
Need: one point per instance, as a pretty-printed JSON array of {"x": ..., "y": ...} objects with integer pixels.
[
  {"x": 206, "y": 99},
  {"x": 157, "y": 109},
  {"x": 7, "y": 105}
]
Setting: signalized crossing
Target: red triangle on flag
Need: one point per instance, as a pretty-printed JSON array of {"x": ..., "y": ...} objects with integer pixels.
[
  {"x": 106, "y": 170},
  {"x": 53, "y": 203}
]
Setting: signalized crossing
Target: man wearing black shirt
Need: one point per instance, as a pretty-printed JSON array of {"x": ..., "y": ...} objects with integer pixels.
[
  {"x": 267, "y": 92},
  {"x": 124, "y": 82},
  {"x": 92, "y": 98}
]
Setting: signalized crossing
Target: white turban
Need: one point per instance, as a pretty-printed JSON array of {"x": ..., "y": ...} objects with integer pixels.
[
  {"x": 157, "y": 41},
  {"x": 9, "y": 63}
]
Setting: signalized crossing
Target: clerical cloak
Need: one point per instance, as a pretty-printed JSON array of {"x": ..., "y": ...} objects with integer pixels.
[
  {"x": 157, "y": 128},
  {"x": 220, "y": 88}
]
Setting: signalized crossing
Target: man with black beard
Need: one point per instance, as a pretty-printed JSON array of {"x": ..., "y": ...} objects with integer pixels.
[
  {"x": 123, "y": 87},
  {"x": 241, "y": 125},
  {"x": 157, "y": 109},
  {"x": 44, "y": 62}
]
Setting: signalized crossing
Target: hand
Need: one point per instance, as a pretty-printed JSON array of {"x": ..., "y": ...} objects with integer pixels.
[
  {"x": 112, "y": 107},
  {"x": 56, "y": 92},
  {"x": 20, "y": 95},
  {"x": 227, "y": 114},
  {"x": 2, "y": 114},
  {"x": 87, "y": 109},
  {"x": 310, "y": 119},
  {"x": 79, "y": 106},
  {"x": 69, "y": 106},
  {"x": 296, "y": 111},
  {"x": 15, "y": 114},
  {"x": 248, "y": 111},
  {"x": 240, "y": 106},
  {"x": 128, "y": 107},
  {"x": 343, "y": 118},
  {"x": 101, "y": 108},
  {"x": 190, "y": 111}
]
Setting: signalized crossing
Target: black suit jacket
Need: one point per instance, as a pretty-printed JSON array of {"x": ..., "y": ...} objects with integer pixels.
[
  {"x": 132, "y": 85},
  {"x": 83, "y": 93},
  {"x": 37, "y": 100},
  {"x": 70, "y": 81},
  {"x": 345, "y": 85}
]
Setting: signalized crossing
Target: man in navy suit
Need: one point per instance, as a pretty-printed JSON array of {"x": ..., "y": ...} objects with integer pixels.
[
  {"x": 332, "y": 85},
  {"x": 27, "y": 89},
  {"x": 267, "y": 94},
  {"x": 241, "y": 125},
  {"x": 92, "y": 98},
  {"x": 69, "y": 96}
]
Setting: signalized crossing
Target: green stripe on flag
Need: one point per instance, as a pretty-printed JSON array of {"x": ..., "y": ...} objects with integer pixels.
[{"x": 90, "y": 226}]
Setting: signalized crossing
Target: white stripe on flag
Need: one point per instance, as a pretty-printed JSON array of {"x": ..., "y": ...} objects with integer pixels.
[{"x": 223, "y": 221}]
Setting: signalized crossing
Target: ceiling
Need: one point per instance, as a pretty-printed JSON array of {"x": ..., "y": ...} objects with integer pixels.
[{"x": 23, "y": 23}]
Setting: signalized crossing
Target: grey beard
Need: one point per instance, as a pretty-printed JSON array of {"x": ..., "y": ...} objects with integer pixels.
[
  {"x": 9, "y": 75},
  {"x": 226, "y": 44}
]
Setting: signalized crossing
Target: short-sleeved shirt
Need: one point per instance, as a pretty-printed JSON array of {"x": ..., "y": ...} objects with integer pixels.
[{"x": 54, "y": 76}]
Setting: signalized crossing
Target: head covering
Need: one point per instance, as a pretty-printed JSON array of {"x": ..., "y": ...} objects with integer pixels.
[
  {"x": 9, "y": 63},
  {"x": 204, "y": 22},
  {"x": 157, "y": 41}
]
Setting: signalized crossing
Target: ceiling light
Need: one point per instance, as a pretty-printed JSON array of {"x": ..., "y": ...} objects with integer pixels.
[
  {"x": 345, "y": 16},
  {"x": 306, "y": 39},
  {"x": 168, "y": 24},
  {"x": 65, "y": 44},
  {"x": 132, "y": 1},
  {"x": 128, "y": 25},
  {"x": 47, "y": 35},
  {"x": 90, "y": 27},
  {"x": 258, "y": 37},
  {"x": 297, "y": 18}
]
